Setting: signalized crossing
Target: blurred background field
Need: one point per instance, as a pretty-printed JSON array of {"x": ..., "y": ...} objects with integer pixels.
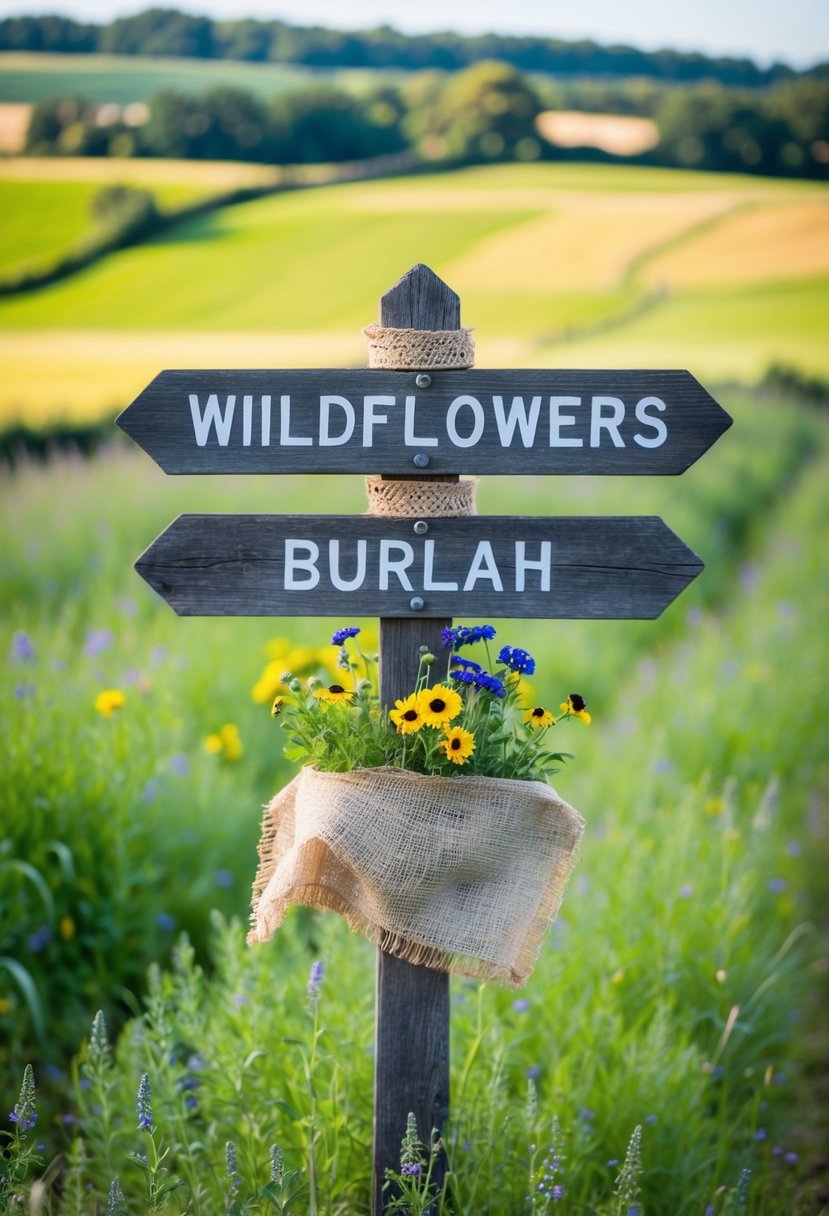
[{"x": 682, "y": 988}]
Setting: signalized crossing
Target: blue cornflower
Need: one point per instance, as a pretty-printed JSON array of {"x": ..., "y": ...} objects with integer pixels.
[
  {"x": 491, "y": 684},
  {"x": 466, "y": 664},
  {"x": 466, "y": 635},
  {"x": 39, "y": 939},
  {"x": 145, "y": 1112},
  {"x": 166, "y": 921},
  {"x": 350, "y": 631},
  {"x": 517, "y": 659}
]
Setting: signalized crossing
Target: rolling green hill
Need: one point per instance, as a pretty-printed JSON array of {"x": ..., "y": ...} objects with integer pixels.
[{"x": 556, "y": 266}]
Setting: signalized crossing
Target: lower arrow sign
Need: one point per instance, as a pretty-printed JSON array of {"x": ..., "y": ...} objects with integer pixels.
[{"x": 599, "y": 567}]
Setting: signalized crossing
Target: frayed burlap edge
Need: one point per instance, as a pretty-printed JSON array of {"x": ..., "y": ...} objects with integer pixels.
[{"x": 409, "y": 949}]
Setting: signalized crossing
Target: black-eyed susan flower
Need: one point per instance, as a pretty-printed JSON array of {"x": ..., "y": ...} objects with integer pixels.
[
  {"x": 539, "y": 718},
  {"x": 458, "y": 745},
  {"x": 576, "y": 707},
  {"x": 439, "y": 705},
  {"x": 334, "y": 694},
  {"x": 108, "y": 701},
  {"x": 406, "y": 715}
]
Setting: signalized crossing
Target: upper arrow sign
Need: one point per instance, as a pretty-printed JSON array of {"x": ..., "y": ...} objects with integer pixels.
[{"x": 362, "y": 421}]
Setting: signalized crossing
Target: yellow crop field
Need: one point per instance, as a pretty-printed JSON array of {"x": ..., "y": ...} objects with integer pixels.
[{"x": 764, "y": 242}]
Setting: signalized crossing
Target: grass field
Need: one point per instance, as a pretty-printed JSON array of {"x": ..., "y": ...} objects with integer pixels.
[
  {"x": 682, "y": 988},
  {"x": 30, "y": 77},
  {"x": 556, "y": 265}
]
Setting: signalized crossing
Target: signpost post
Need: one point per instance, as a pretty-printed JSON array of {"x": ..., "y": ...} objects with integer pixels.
[{"x": 417, "y": 574}]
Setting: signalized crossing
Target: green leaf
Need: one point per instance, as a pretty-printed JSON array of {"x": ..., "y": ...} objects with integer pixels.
[{"x": 30, "y": 994}]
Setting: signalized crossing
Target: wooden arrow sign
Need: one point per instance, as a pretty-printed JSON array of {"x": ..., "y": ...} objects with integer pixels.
[
  {"x": 362, "y": 421},
  {"x": 604, "y": 567}
]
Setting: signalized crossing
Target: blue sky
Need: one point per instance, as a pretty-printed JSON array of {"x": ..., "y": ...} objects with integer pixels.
[{"x": 796, "y": 31}]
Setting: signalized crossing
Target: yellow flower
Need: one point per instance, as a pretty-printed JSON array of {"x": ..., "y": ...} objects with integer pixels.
[
  {"x": 617, "y": 976},
  {"x": 439, "y": 705},
  {"x": 539, "y": 717},
  {"x": 406, "y": 715},
  {"x": 225, "y": 742},
  {"x": 67, "y": 928},
  {"x": 5, "y": 1005},
  {"x": 576, "y": 707},
  {"x": 458, "y": 745},
  {"x": 276, "y": 708},
  {"x": 334, "y": 694},
  {"x": 108, "y": 701}
]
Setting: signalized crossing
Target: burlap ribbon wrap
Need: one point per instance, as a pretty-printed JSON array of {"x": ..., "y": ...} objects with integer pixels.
[{"x": 463, "y": 874}]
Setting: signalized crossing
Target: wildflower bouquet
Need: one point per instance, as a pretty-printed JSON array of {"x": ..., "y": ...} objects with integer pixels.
[
  {"x": 429, "y": 826},
  {"x": 462, "y": 714}
]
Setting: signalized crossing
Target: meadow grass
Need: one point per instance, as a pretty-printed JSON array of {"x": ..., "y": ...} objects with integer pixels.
[
  {"x": 28, "y": 76},
  {"x": 556, "y": 265},
  {"x": 677, "y": 990}
]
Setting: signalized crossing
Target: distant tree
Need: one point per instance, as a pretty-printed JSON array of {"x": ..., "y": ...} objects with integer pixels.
[
  {"x": 50, "y": 33},
  {"x": 328, "y": 124},
  {"x": 224, "y": 124},
  {"x": 159, "y": 31},
  {"x": 484, "y": 113}
]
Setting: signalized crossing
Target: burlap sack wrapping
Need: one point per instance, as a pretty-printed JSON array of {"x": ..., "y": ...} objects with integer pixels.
[{"x": 463, "y": 874}]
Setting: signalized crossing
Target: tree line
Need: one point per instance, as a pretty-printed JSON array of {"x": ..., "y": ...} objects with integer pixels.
[
  {"x": 168, "y": 32},
  {"x": 481, "y": 114}
]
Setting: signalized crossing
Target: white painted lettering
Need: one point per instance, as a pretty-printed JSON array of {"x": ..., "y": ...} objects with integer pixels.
[
  {"x": 523, "y": 563},
  {"x": 558, "y": 420},
  {"x": 429, "y": 581},
  {"x": 247, "y": 419},
  {"x": 598, "y": 421},
  {"x": 343, "y": 584},
  {"x": 483, "y": 566},
  {"x": 370, "y": 418},
  {"x": 327, "y": 440},
  {"x": 409, "y": 437},
  {"x": 296, "y": 563},
  {"x": 286, "y": 439},
  {"x": 212, "y": 416},
  {"x": 473, "y": 404},
  {"x": 398, "y": 567},
  {"x": 526, "y": 421},
  {"x": 266, "y": 421},
  {"x": 656, "y": 423}
]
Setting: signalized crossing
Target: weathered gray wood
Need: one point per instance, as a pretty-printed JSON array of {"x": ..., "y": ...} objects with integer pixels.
[
  {"x": 565, "y": 422},
  {"x": 590, "y": 567},
  {"x": 411, "y": 1059}
]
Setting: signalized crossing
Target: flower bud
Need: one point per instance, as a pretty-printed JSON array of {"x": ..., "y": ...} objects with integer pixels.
[{"x": 428, "y": 659}]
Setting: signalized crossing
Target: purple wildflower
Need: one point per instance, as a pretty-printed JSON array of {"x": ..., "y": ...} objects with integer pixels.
[
  {"x": 791, "y": 1158},
  {"x": 23, "y": 650},
  {"x": 145, "y": 1113},
  {"x": 180, "y": 765},
  {"x": 22, "y": 691},
  {"x": 341, "y": 635},
  {"x": 165, "y": 921},
  {"x": 777, "y": 885},
  {"x": 413, "y": 1168},
  {"x": 223, "y": 878},
  {"x": 521, "y": 1005},
  {"x": 314, "y": 983},
  {"x": 649, "y": 1119},
  {"x": 97, "y": 641},
  {"x": 24, "y": 1113},
  {"x": 517, "y": 660},
  {"x": 557, "y": 1192},
  {"x": 760, "y": 1134},
  {"x": 686, "y": 890},
  {"x": 38, "y": 940}
]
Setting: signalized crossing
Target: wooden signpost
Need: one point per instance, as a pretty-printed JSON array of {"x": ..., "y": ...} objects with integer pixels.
[{"x": 417, "y": 574}]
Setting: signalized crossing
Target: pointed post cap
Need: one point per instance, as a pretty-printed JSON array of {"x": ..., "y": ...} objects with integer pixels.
[{"x": 420, "y": 300}]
